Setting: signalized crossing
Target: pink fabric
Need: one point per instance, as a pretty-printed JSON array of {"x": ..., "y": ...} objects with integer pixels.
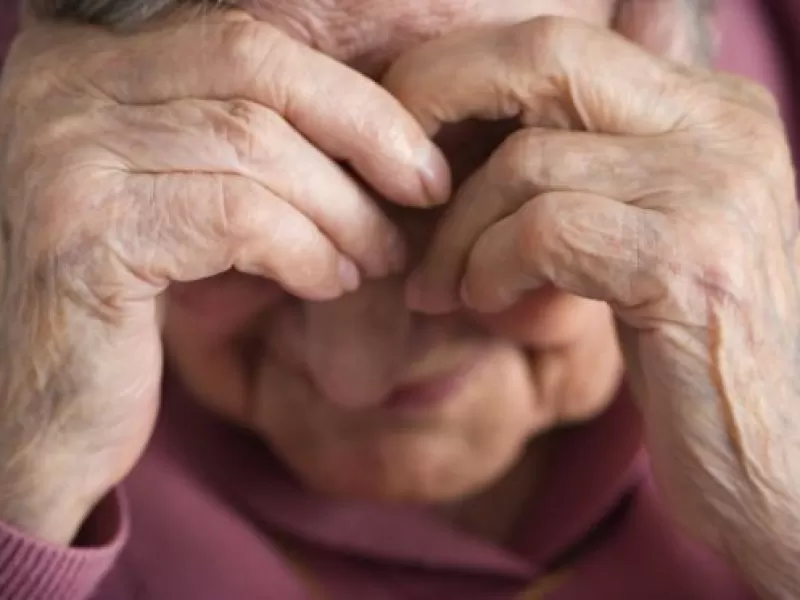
[
  {"x": 760, "y": 58},
  {"x": 211, "y": 514},
  {"x": 34, "y": 570}
]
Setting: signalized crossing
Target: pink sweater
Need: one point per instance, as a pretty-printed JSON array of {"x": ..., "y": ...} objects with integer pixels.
[{"x": 209, "y": 514}]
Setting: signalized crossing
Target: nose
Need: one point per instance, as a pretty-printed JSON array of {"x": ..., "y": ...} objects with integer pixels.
[{"x": 358, "y": 346}]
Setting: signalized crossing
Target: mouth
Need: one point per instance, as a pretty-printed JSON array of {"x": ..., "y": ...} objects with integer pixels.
[{"x": 430, "y": 393}]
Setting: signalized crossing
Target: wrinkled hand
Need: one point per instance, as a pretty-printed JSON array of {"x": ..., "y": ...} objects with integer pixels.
[
  {"x": 174, "y": 154},
  {"x": 667, "y": 192}
]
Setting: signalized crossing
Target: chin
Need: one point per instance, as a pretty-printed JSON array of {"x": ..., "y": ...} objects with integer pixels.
[{"x": 408, "y": 468}]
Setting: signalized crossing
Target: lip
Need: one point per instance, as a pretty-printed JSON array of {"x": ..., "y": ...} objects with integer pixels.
[{"x": 430, "y": 393}]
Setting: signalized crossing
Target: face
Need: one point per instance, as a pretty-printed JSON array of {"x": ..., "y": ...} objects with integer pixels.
[{"x": 360, "y": 396}]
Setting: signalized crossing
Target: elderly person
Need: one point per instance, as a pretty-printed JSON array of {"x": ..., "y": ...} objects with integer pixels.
[{"x": 458, "y": 299}]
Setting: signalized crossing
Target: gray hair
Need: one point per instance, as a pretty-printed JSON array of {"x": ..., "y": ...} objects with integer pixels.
[
  {"x": 118, "y": 13},
  {"x": 112, "y": 13}
]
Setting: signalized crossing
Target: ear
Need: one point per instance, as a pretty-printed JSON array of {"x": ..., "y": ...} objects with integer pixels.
[{"x": 681, "y": 30}]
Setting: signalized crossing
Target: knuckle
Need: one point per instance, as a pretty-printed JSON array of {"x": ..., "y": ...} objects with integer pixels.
[
  {"x": 233, "y": 211},
  {"x": 247, "y": 128},
  {"x": 516, "y": 158},
  {"x": 538, "y": 230},
  {"x": 526, "y": 158},
  {"x": 549, "y": 27},
  {"x": 247, "y": 47},
  {"x": 237, "y": 216},
  {"x": 403, "y": 78},
  {"x": 535, "y": 40}
]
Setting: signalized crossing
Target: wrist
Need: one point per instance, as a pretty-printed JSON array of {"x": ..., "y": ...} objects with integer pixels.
[{"x": 51, "y": 513}]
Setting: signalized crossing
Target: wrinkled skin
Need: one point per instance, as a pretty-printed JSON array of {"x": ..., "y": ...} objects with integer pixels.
[
  {"x": 116, "y": 186},
  {"x": 669, "y": 194},
  {"x": 123, "y": 188}
]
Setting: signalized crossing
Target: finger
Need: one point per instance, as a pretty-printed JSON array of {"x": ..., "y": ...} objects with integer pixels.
[
  {"x": 550, "y": 71},
  {"x": 581, "y": 243},
  {"x": 548, "y": 65},
  {"x": 246, "y": 139},
  {"x": 346, "y": 115},
  {"x": 531, "y": 162},
  {"x": 190, "y": 227}
]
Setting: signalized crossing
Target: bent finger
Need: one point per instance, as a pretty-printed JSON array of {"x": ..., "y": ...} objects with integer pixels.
[
  {"x": 533, "y": 162},
  {"x": 244, "y": 138},
  {"x": 583, "y": 244},
  {"x": 344, "y": 113},
  {"x": 190, "y": 227}
]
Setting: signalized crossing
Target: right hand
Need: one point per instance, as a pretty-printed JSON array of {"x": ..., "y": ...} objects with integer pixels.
[{"x": 129, "y": 162}]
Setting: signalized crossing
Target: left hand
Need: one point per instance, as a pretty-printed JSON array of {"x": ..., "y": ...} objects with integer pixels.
[{"x": 667, "y": 192}]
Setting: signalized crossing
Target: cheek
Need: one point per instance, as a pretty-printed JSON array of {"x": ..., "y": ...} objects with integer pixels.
[
  {"x": 547, "y": 318},
  {"x": 208, "y": 334},
  {"x": 213, "y": 372},
  {"x": 221, "y": 306}
]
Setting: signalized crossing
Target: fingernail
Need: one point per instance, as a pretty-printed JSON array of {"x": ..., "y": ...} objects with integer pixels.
[
  {"x": 435, "y": 176},
  {"x": 349, "y": 275}
]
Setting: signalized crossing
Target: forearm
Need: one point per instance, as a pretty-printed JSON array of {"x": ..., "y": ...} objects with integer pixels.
[{"x": 727, "y": 470}]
